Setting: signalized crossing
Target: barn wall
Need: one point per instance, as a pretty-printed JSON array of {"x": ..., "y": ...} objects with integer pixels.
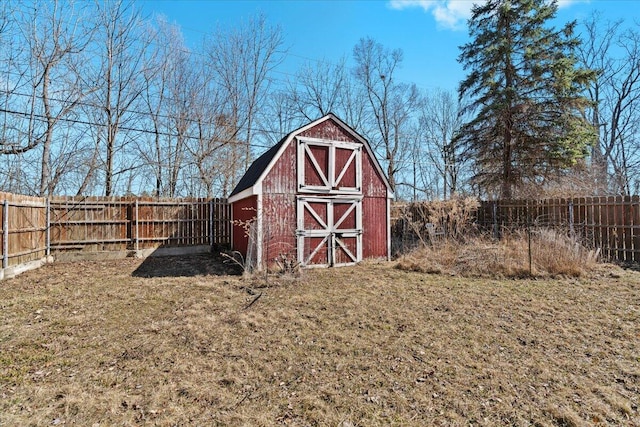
[
  {"x": 374, "y": 227},
  {"x": 279, "y": 207},
  {"x": 279, "y": 230},
  {"x": 372, "y": 183},
  {"x": 243, "y": 212},
  {"x": 374, "y": 211},
  {"x": 374, "y": 191},
  {"x": 282, "y": 178},
  {"x": 328, "y": 129}
]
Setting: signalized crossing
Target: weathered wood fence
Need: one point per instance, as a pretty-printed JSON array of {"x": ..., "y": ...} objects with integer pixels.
[
  {"x": 23, "y": 221},
  {"x": 610, "y": 223},
  {"x": 33, "y": 228}
]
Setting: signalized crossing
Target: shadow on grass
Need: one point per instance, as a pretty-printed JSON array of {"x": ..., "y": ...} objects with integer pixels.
[{"x": 210, "y": 264}]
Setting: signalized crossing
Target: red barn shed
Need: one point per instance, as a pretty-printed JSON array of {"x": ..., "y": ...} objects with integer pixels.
[{"x": 319, "y": 197}]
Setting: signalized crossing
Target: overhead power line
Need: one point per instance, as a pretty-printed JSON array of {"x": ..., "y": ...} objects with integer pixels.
[{"x": 43, "y": 119}]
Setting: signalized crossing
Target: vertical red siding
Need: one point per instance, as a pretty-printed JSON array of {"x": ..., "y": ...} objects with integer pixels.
[
  {"x": 279, "y": 227},
  {"x": 282, "y": 179},
  {"x": 279, "y": 207},
  {"x": 243, "y": 212},
  {"x": 374, "y": 227},
  {"x": 372, "y": 183},
  {"x": 374, "y": 212},
  {"x": 328, "y": 129}
]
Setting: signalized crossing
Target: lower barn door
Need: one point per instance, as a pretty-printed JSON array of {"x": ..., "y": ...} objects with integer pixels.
[{"x": 329, "y": 231}]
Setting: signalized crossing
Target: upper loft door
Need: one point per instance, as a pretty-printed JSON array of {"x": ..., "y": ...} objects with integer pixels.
[{"x": 329, "y": 167}]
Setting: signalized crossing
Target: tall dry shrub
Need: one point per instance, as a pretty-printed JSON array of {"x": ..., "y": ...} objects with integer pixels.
[
  {"x": 454, "y": 216},
  {"x": 427, "y": 223},
  {"x": 553, "y": 253}
]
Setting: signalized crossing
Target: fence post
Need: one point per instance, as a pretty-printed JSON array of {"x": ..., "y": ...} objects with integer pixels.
[
  {"x": 135, "y": 224},
  {"x": 5, "y": 234},
  {"x": 211, "y": 223},
  {"x": 572, "y": 231},
  {"x": 47, "y": 235},
  {"x": 495, "y": 219}
]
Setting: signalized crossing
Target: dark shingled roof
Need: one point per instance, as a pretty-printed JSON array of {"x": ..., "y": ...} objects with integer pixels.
[{"x": 257, "y": 167}]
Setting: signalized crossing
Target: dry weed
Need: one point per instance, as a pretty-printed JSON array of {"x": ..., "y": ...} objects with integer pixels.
[
  {"x": 544, "y": 253},
  {"x": 424, "y": 223}
]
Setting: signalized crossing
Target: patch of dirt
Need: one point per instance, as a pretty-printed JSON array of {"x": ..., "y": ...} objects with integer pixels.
[{"x": 211, "y": 264}]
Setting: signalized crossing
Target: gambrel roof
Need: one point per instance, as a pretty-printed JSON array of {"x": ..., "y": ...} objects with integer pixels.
[{"x": 250, "y": 183}]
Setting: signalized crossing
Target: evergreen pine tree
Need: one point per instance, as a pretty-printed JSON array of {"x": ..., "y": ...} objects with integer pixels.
[{"x": 525, "y": 94}]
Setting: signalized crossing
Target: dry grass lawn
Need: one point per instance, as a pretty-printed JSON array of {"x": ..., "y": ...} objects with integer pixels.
[{"x": 100, "y": 344}]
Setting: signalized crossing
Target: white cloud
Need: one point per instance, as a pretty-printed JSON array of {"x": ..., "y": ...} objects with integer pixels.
[
  {"x": 449, "y": 14},
  {"x": 453, "y": 14},
  {"x": 567, "y": 3}
]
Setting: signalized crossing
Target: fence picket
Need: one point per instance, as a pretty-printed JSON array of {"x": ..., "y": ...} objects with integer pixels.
[
  {"x": 635, "y": 227},
  {"x": 5, "y": 234}
]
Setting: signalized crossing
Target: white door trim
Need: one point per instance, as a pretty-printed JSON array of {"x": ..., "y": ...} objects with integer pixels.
[{"x": 331, "y": 232}]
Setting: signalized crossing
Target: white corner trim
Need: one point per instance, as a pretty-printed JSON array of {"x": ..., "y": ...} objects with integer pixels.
[
  {"x": 259, "y": 228},
  {"x": 388, "y": 229},
  {"x": 390, "y": 194},
  {"x": 241, "y": 195}
]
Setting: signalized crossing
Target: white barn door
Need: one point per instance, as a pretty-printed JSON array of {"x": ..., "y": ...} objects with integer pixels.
[{"x": 329, "y": 231}]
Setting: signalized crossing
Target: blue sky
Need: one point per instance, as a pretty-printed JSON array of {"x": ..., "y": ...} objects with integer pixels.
[{"x": 428, "y": 31}]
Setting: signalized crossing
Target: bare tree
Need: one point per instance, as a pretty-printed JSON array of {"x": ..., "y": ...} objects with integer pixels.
[
  {"x": 281, "y": 116},
  {"x": 155, "y": 97},
  {"x": 172, "y": 89},
  {"x": 354, "y": 109},
  {"x": 41, "y": 89},
  {"x": 615, "y": 53},
  {"x": 440, "y": 119},
  {"x": 56, "y": 38},
  {"x": 6, "y": 12},
  {"x": 322, "y": 87},
  {"x": 243, "y": 59},
  {"x": 390, "y": 103},
  {"x": 213, "y": 136},
  {"x": 318, "y": 89},
  {"x": 121, "y": 59},
  {"x": 11, "y": 172}
]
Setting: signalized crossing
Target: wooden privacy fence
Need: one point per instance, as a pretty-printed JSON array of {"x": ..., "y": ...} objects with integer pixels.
[
  {"x": 610, "y": 223},
  {"x": 23, "y": 221},
  {"x": 33, "y": 228}
]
